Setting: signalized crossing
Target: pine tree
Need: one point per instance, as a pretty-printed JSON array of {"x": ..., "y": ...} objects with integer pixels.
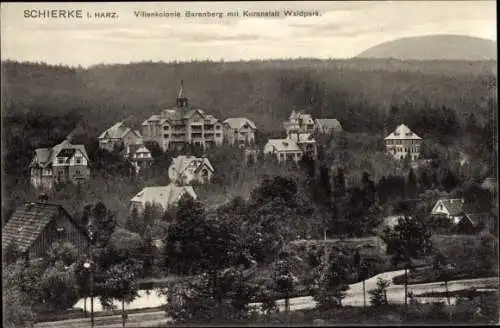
[
  {"x": 382, "y": 190},
  {"x": 148, "y": 252},
  {"x": 339, "y": 186},
  {"x": 133, "y": 221},
  {"x": 411, "y": 185}
]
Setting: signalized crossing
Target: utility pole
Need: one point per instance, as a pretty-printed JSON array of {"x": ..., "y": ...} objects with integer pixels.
[{"x": 89, "y": 265}]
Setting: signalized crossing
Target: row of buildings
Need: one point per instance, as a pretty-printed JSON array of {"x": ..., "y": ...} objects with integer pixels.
[
  {"x": 300, "y": 129},
  {"x": 181, "y": 124}
]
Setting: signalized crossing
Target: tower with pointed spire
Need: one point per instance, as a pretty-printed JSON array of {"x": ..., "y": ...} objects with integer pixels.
[
  {"x": 179, "y": 125},
  {"x": 182, "y": 101}
]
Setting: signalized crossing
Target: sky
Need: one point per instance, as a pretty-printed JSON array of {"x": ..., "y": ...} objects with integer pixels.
[{"x": 343, "y": 29}]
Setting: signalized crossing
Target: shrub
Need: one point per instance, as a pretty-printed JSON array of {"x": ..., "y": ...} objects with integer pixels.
[{"x": 378, "y": 296}]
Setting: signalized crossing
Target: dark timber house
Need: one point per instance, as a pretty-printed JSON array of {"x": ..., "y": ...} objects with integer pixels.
[{"x": 34, "y": 227}]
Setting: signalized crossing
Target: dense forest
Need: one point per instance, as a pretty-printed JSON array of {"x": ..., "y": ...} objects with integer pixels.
[
  {"x": 252, "y": 213},
  {"x": 450, "y": 104}
]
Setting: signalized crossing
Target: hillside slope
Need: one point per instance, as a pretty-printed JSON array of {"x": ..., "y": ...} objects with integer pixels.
[{"x": 435, "y": 47}]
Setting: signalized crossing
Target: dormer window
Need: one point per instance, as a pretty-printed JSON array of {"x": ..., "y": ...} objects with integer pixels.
[
  {"x": 60, "y": 161},
  {"x": 396, "y": 134}
]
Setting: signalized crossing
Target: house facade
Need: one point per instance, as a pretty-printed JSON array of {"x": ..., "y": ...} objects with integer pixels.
[
  {"x": 239, "y": 131},
  {"x": 163, "y": 196},
  {"x": 402, "y": 143},
  {"x": 180, "y": 125},
  {"x": 185, "y": 170},
  {"x": 61, "y": 164},
  {"x": 139, "y": 156},
  {"x": 449, "y": 208},
  {"x": 284, "y": 150},
  {"x": 34, "y": 227},
  {"x": 306, "y": 142},
  {"x": 119, "y": 137},
  {"x": 299, "y": 122}
]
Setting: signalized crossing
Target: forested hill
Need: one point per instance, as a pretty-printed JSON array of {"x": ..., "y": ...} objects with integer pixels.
[
  {"x": 435, "y": 47},
  {"x": 359, "y": 92}
]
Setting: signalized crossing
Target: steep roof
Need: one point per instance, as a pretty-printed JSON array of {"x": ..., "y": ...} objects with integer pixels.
[
  {"x": 454, "y": 206},
  {"x": 137, "y": 148},
  {"x": 403, "y": 132},
  {"x": 151, "y": 118},
  {"x": 239, "y": 122},
  {"x": 300, "y": 115},
  {"x": 182, "y": 163},
  {"x": 328, "y": 124},
  {"x": 477, "y": 218},
  {"x": 45, "y": 156},
  {"x": 283, "y": 145},
  {"x": 27, "y": 223},
  {"x": 166, "y": 196},
  {"x": 42, "y": 155},
  {"x": 117, "y": 131}
]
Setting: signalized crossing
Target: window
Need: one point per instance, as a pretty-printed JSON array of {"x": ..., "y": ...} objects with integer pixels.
[
  {"x": 78, "y": 160},
  {"x": 77, "y": 172},
  {"x": 60, "y": 232},
  {"x": 60, "y": 161},
  {"x": 217, "y": 127},
  {"x": 166, "y": 136},
  {"x": 166, "y": 127},
  {"x": 217, "y": 135}
]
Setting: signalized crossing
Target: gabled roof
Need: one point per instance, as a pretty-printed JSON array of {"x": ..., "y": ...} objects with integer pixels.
[
  {"x": 239, "y": 122},
  {"x": 295, "y": 116},
  {"x": 28, "y": 221},
  {"x": 403, "y": 132},
  {"x": 163, "y": 195},
  {"x": 182, "y": 163},
  {"x": 476, "y": 218},
  {"x": 117, "y": 131},
  {"x": 453, "y": 206},
  {"x": 151, "y": 118},
  {"x": 64, "y": 149},
  {"x": 42, "y": 155},
  {"x": 191, "y": 112},
  {"x": 328, "y": 124},
  {"x": 283, "y": 145},
  {"x": 137, "y": 148}
]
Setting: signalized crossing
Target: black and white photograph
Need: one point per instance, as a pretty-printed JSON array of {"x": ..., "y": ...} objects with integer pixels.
[{"x": 249, "y": 163}]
